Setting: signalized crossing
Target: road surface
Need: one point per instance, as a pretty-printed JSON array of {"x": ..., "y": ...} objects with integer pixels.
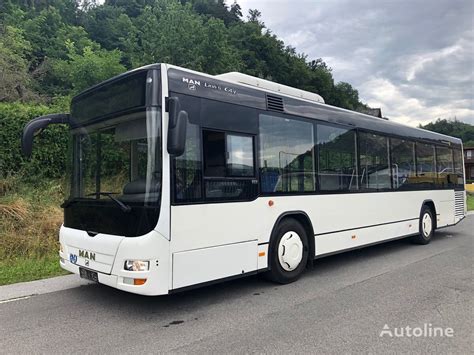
[{"x": 342, "y": 305}]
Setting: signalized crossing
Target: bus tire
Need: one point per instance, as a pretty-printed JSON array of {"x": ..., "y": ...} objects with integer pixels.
[
  {"x": 426, "y": 226},
  {"x": 288, "y": 252}
]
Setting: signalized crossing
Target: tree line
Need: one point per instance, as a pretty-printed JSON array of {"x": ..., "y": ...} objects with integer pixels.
[
  {"x": 454, "y": 128},
  {"x": 51, "y": 49}
]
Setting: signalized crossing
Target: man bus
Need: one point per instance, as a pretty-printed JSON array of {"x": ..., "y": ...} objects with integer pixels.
[{"x": 180, "y": 179}]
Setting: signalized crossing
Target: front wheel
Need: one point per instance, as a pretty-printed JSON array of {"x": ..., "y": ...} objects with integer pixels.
[
  {"x": 427, "y": 226},
  {"x": 288, "y": 252}
]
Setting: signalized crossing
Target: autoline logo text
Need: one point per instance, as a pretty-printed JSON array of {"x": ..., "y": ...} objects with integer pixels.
[{"x": 425, "y": 331}]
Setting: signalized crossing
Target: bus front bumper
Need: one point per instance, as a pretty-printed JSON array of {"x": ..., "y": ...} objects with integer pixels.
[{"x": 151, "y": 247}]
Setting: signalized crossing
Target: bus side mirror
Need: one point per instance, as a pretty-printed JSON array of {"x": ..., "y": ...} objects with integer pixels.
[
  {"x": 178, "y": 120},
  {"x": 35, "y": 126}
]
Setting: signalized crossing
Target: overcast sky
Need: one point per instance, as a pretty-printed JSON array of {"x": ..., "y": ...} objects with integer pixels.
[{"x": 414, "y": 59}]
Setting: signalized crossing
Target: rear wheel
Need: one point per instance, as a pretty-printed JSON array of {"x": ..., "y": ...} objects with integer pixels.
[
  {"x": 427, "y": 226},
  {"x": 288, "y": 252}
]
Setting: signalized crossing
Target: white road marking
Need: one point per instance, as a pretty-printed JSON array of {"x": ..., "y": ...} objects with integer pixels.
[{"x": 16, "y": 299}]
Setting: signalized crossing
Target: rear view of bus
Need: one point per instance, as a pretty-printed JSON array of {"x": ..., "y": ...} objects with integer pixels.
[{"x": 179, "y": 179}]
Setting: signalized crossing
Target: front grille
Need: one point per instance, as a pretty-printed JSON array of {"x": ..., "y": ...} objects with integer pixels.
[{"x": 459, "y": 204}]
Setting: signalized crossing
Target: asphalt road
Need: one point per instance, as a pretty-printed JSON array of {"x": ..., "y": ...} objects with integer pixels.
[{"x": 339, "y": 306}]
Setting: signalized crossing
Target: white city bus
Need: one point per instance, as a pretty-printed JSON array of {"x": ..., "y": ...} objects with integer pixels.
[{"x": 180, "y": 179}]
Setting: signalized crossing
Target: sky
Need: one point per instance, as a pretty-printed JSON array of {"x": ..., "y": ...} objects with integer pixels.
[{"x": 413, "y": 59}]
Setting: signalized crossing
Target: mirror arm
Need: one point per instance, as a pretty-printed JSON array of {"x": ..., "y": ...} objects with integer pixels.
[{"x": 37, "y": 124}]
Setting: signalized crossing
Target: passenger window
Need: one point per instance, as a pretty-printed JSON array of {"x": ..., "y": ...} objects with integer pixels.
[
  {"x": 459, "y": 168},
  {"x": 240, "y": 155},
  {"x": 227, "y": 155},
  {"x": 214, "y": 153},
  {"x": 373, "y": 155},
  {"x": 337, "y": 169},
  {"x": 425, "y": 165},
  {"x": 229, "y": 172},
  {"x": 444, "y": 166},
  {"x": 286, "y": 155},
  {"x": 403, "y": 163}
]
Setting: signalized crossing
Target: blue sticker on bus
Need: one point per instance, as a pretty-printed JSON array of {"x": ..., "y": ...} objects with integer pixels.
[{"x": 73, "y": 258}]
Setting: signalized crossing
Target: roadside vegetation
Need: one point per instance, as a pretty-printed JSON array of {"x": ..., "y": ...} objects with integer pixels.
[
  {"x": 470, "y": 201},
  {"x": 30, "y": 217}
]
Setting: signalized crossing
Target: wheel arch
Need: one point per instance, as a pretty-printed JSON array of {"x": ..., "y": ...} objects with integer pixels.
[{"x": 303, "y": 218}]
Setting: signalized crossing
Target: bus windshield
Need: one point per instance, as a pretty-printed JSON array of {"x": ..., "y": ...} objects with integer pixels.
[{"x": 118, "y": 160}]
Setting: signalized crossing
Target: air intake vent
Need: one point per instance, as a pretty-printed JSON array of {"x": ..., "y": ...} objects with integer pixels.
[
  {"x": 459, "y": 204},
  {"x": 274, "y": 103}
]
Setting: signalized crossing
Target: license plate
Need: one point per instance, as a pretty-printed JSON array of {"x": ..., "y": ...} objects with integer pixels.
[{"x": 88, "y": 274}]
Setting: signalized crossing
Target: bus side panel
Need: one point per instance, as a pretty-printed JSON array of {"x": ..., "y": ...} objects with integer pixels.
[
  {"x": 445, "y": 210},
  {"x": 349, "y": 221},
  {"x": 198, "y": 266},
  {"x": 354, "y": 238},
  {"x": 216, "y": 224}
]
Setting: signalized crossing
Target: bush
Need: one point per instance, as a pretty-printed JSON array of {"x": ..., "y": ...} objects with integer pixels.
[{"x": 50, "y": 148}]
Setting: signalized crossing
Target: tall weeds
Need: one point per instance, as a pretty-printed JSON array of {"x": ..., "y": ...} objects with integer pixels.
[{"x": 30, "y": 218}]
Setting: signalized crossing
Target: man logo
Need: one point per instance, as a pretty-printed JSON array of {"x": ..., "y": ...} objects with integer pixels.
[
  {"x": 86, "y": 254},
  {"x": 192, "y": 84}
]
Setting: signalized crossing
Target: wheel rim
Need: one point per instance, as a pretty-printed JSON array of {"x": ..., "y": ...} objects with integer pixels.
[
  {"x": 427, "y": 225},
  {"x": 290, "y": 251}
]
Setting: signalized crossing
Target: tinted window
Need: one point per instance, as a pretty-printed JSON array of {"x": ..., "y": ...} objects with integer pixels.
[
  {"x": 214, "y": 153},
  {"x": 425, "y": 165},
  {"x": 188, "y": 173},
  {"x": 403, "y": 163},
  {"x": 228, "y": 166},
  {"x": 286, "y": 155},
  {"x": 373, "y": 155},
  {"x": 458, "y": 168},
  {"x": 337, "y": 158},
  {"x": 119, "y": 96},
  {"x": 445, "y": 167}
]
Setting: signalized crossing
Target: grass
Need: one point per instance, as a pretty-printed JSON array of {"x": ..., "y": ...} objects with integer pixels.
[
  {"x": 470, "y": 202},
  {"x": 25, "y": 269},
  {"x": 30, "y": 218}
]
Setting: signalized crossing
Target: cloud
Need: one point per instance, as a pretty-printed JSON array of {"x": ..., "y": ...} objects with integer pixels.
[
  {"x": 414, "y": 59},
  {"x": 419, "y": 61}
]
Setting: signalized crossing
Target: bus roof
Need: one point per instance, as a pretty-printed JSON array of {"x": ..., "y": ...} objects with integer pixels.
[
  {"x": 262, "y": 97},
  {"x": 241, "y": 89}
]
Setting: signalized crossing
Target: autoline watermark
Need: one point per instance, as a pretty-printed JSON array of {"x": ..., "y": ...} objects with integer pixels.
[{"x": 425, "y": 331}]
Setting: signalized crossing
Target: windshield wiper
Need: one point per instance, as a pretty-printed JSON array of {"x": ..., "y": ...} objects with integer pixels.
[{"x": 125, "y": 208}]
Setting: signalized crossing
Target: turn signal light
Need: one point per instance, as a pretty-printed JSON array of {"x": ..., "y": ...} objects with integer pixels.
[{"x": 138, "y": 282}]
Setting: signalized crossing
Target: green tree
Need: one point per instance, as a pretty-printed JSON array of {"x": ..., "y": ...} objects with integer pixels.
[
  {"x": 89, "y": 67},
  {"x": 15, "y": 83},
  {"x": 453, "y": 127},
  {"x": 112, "y": 28},
  {"x": 345, "y": 96}
]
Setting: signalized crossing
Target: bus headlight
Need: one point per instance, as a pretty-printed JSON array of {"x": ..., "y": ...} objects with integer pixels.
[{"x": 136, "y": 265}]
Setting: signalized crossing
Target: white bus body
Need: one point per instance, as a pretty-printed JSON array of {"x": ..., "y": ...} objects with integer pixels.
[{"x": 204, "y": 241}]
